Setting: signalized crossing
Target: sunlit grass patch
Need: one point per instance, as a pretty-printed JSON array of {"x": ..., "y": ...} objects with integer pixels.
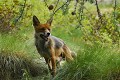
[{"x": 21, "y": 41}]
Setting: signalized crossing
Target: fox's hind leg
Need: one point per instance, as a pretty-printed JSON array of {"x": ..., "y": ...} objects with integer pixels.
[
  {"x": 58, "y": 53},
  {"x": 67, "y": 53},
  {"x": 73, "y": 54}
]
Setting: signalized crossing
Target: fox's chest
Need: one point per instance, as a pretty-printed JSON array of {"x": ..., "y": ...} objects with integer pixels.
[{"x": 43, "y": 49}]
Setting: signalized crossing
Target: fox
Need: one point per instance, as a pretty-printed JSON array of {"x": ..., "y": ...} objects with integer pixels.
[{"x": 51, "y": 48}]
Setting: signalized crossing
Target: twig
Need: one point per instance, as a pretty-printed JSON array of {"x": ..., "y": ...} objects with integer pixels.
[
  {"x": 54, "y": 11},
  {"x": 56, "y": 5},
  {"x": 21, "y": 12},
  {"x": 99, "y": 14},
  {"x": 115, "y": 5},
  {"x": 75, "y": 5},
  {"x": 51, "y": 18},
  {"x": 80, "y": 14},
  {"x": 79, "y": 22},
  {"x": 59, "y": 8},
  {"x": 46, "y": 3}
]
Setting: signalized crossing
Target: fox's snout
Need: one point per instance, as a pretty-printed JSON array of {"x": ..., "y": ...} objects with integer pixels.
[{"x": 46, "y": 34}]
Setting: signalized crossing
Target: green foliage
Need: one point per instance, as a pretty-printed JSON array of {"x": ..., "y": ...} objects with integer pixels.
[
  {"x": 104, "y": 32},
  {"x": 13, "y": 12}
]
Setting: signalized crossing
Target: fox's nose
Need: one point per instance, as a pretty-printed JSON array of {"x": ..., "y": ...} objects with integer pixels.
[{"x": 48, "y": 34}]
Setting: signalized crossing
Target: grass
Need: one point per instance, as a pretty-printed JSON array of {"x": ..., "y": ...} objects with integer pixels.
[
  {"x": 96, "y": 62},
  {"x": 18, "y": 41}
]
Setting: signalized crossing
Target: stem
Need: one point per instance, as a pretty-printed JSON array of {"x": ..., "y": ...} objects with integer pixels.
[
  {"x": 99, "y": 14},
  {"x": 21, "y": 12},
  {"x": 115, "y": 5},
  {"x": 56, "y": 5},
  {"x": 46, "y": 3},
  {"x": 59, "y": 8}
]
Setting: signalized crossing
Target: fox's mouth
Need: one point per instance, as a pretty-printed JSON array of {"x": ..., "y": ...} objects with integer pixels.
[{"x": 44, "y": 37}]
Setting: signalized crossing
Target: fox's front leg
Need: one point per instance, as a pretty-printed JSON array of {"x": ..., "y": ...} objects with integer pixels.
[
  {"x": 49, "y": 64},
  {"x": 53, "y": 66},
  {"x": 53, "y": 61}
]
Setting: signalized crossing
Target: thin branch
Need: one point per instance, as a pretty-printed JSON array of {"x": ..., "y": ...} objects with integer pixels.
[
  {"x": 80, "y": 17},
  {"x": 21, "y": 12},
  {"x": 59, "y": 8},
  {"x": 115, "y": 5},
  {"x": 98, "y": 10},
  {"x": 75, "y": 5},
  {"x": 99, "y": 14},
  {"x": 56, "y": 5},
  {"x": 51, "y": 18},
  {"x": 54, "y": 11},
  {"x": 79, "y": 22},
  {"x": 46, "y": 3}
]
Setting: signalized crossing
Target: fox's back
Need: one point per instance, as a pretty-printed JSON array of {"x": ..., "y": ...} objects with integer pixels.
[{"x": 58, "y": 43}]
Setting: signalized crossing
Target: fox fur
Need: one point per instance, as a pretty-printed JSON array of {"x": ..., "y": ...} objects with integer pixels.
[{"x": 53, "y": 49}]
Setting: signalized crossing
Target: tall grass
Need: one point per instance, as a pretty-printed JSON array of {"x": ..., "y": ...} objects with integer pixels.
[{"x": 96, "y": 62}]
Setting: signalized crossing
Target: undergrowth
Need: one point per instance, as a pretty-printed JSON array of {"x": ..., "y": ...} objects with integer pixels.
[{"x": 18, "y": 65}]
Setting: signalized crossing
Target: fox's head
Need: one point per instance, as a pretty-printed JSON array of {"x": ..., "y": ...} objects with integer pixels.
[{"x": 42, "y": 30}]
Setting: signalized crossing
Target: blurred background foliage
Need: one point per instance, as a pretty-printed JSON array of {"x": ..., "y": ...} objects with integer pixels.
[
  {"x": 16, "y": 14},
  {"x": 78, "y": 22}
]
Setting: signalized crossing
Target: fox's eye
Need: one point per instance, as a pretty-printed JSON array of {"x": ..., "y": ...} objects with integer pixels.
[{"x": 48, "y": 29}]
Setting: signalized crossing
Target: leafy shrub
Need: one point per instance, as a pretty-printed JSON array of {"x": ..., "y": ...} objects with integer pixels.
[{"x": 11, "y": 11}]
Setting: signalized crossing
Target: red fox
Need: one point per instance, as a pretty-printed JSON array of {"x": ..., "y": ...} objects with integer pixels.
[{"x": 50, "y": 47}]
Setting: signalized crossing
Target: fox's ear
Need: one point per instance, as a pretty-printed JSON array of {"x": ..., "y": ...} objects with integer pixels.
[
  {"x": 36, "y": 21},
  {"x": 50, "y": 21}
]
